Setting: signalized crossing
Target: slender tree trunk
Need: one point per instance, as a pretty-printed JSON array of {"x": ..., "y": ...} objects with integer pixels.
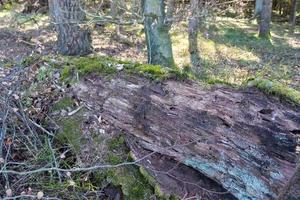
[
  {"x": 158, "y": 40},
  {"x": 292, "y": 190},
  {"x": 258, "y": 7},
  {"x": 293, "y": 15},
  {"x": 194, "y": 21},
  {"x": 74, "y": 38},
  {"x": 265, "y": 20}
]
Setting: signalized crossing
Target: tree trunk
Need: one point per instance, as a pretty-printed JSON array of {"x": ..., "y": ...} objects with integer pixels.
[
  {"x": 258, "y": 6},
  {"x": 293, "y": 15},
  {"x": 257, "y": 10},
  {"x": 194, "y": 21},
  {"x": 158, "y": 40},
  {"x": 292, "y": 190},
  {"x": 265, "y": 19},
  {"x": 242, "y": 139},
  {"x": 74, "y": 38}
]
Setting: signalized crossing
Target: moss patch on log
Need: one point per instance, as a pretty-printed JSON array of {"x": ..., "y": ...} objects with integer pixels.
[
  {"x": 132, "y": 183},
  {"x": 158, "y": 192},
  {"x": 277, "y": 89},
  {"x": 109, "y": 66}
]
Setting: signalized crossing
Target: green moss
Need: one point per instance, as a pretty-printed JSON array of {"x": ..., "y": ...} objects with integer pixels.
[
  {"x": 152, "y": 71},
  {"x": 114, "y": 159},
  {"x": 7, "y": 64},
  {"x": 29, "y": 60},
  {"x": 118, "y": 151},
  {"x": 214, "y": 81},
  {"x": 63, "y": 104},
  {"x": 87, "y": 65},
  {"x": 66, "y": 73},
  {"x": 70, "y": 132},
  {"x": 109, "y": 66},
  {"x": 101, "y": 65},
  {"x": 131, "y": 181},
  {"x": 133, "y": 184},
  {"x": 43, "y": 73},
  {"x": 7, "y": 6},
  {"x": 277, "y": 89},
  {"x": 157, "y": 72},
  {"x": 116, "y": 143},
  {"x": 44, "y": 156},
  {"x": 151, "y": 180}
]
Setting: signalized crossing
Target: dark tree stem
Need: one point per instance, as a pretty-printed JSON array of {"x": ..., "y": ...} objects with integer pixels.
[
  {"x": 158, "y": 40},
  {"x": 74, "y": 37},
  {"x": 265, "y": 19}
]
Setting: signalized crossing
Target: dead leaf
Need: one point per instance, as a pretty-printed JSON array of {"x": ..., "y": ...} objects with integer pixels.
[
  {"x": 9, "y": 193},
  {"x": 40, "y": 195}
]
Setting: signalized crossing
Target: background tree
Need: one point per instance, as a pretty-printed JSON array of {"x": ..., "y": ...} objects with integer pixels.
[
  {"x": 293, "y": 14},
  {"x": 74, "y": 37},
  {"x": 194, "y": 21},
  {"x": 258, "y": 9},
  {"x": 265, "y": 19},
  {"x": 158, "y": 40}
]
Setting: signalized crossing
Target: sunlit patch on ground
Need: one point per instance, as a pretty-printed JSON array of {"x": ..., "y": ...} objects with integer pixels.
[
  {"x": 231, "y": 48},
  {"x": 228, "y": 47}
]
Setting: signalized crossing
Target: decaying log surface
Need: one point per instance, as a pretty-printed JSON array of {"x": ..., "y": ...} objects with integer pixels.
[
  {"x": 292, "y": 189},
  {"x": 241, "y": 139}
]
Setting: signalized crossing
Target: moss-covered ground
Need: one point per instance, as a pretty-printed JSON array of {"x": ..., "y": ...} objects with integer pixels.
[{"x": 133, "y": 184}]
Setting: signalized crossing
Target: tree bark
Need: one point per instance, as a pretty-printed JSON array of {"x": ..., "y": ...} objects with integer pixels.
[
  {"x": 194, "y": 21},
  {"x": 74, "y": 37},
  {"x": 258, "y": 7},
  {"x": 293, "y": 15},
  {"x": 158, "y": 40},
  {"x": 242, "y": 139},
  {"x": 265, "y": 19}
]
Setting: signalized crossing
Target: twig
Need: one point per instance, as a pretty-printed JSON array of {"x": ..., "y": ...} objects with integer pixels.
[
  {"x": 54, "y": 159},
  {"x": 42, "y": 128},
  {"x": 77, "y": 169},
  {"x": 75, "y": 111},
  {"x": 29, "y": 196}
]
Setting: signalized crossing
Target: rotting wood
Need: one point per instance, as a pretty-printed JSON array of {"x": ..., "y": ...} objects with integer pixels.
[{"x": 241, "y": 139}]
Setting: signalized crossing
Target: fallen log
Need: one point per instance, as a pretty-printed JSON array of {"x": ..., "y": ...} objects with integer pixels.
[
  {"x": 241, "y": 139},
  {"x": 292, "y": 189}
]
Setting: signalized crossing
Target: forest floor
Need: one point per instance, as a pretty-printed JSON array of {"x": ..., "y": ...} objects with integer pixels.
[
  {"x": 231, "y": 54},
  {"x": 230, "y": 50}
]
